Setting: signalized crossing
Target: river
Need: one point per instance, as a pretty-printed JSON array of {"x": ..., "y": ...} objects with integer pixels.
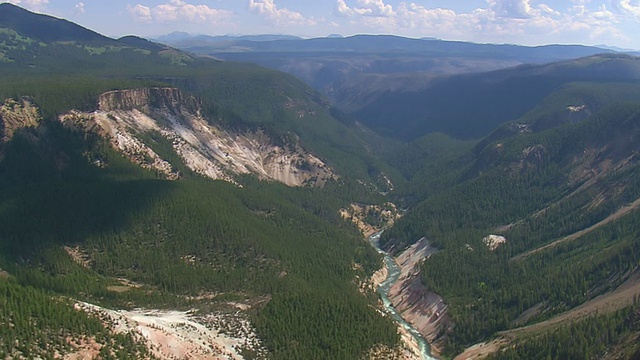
[{"x": 393, "y": 275}]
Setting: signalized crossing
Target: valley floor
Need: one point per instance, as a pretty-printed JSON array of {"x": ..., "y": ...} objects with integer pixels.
[
  {"x": 178, "y": 334},
  {"x": 622, "y": 297}
]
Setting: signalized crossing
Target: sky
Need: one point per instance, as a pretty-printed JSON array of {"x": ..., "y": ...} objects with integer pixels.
[{"x": 524, "y": 22}]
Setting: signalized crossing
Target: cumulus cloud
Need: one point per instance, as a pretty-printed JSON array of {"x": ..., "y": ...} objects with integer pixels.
[
  {"x": 371, "y": 8},
  {"x": 78, "y": 8},
  {"x": 140, "y": 12},
  {"x": 31, "y": 4},
  {"x": 498, "y": 21},
  {"x": 414, "y": 16},
  {"x": 177, "y": 11},
  {"x": 517, "y": 9},
  {"x": 279, "y": 16},
  {"x": 630, "y": 7}
]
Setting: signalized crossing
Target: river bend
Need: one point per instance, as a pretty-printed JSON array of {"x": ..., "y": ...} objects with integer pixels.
[{"x": 384, "y": 288}]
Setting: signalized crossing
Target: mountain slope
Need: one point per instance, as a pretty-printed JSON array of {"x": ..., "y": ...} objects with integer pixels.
[
  {"x": 138, "y": 120},
  {"x": 241, "y": 96},
  {"x": 472, "y": 105},
  {"x": 82, "y": 223},
  {"x": 330, "y": 63},
  {"x": 557, "y": 190},
  {"x": 46, "y": 28}
]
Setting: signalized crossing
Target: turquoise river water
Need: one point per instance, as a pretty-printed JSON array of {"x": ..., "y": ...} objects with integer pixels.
[{"x": 393, "y": 275}]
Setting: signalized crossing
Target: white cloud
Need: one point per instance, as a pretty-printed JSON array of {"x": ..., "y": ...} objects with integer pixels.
[
  {"x": 342, "y": 9},
  {"x": 414, "y": 16},
  {"x": 631, "y": 7},
  {"x": 79, "y": 8},
  {"x": 31, "y": 4},
  {"x": 517, "y": 9},
  {"x": 178, "y": 11},
  {"x": 140, "y": 12},
  {"x": 374, "y": 8},
  {"x": 501, "y": 21},
  {"x": 371, "y": 8},
  {"x": 284, "y": 16}
]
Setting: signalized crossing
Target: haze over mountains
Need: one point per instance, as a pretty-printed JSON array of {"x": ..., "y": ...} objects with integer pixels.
[
  {"x": 155, "y": 203},
  {"x": 385, "y": 79}
]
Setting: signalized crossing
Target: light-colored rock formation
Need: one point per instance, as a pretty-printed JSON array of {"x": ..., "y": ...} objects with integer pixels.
[
  {"x": 371, "y": 219},
  {"x": 128, "y": 117},
  {"x": 494, "y": 241},
  {"x": 16, "y": 114},
  {"x": 182, "y": 335},
  {"x": 423, "y": 309}
]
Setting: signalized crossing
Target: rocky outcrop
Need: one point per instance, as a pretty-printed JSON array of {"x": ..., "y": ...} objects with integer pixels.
[
  {"x": 146, "y": 99},
  {"x": 423, "y": 309},
  {"x": 16, "y": 114},
  {"x": 223, "y": 334},
  {"x": 371, "y": 219},
  {"x": 132, "y": 118}
]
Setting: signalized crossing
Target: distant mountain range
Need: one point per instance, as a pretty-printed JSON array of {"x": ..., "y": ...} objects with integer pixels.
[
  {"x": 400, "y": 86},
  {"x": 355, "y": 71},
  {"x": 46, "y": 28},
  {"x": 518, "y": 168},
  {"x": 185, "y": 39}
]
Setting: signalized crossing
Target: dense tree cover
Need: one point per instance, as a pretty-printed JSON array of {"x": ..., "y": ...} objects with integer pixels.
[
  {"x": 38, "y": 324},
  {"x": 472, "y": 105},
  {"x": 194, "y": 236},
  {"x": 57, "y": 94},
  {"x": 591, "y": 338},
  {"x": 187, "y": 238},
  {"x": 533, "y": 188},
  {"x": 570, "y": 103},
  {"x": 232, "y": 94}
]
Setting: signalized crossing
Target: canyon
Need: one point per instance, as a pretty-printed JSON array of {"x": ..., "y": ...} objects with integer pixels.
[{"x": 152, "y": 125}]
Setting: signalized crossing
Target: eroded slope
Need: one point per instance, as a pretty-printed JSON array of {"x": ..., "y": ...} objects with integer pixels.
[{"x": 137, "y": 121}]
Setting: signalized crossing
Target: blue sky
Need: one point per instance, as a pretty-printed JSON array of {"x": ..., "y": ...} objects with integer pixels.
[{"x": 527, "y": 22}]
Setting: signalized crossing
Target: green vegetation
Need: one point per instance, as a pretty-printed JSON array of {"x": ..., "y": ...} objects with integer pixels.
[
  {"x": 588, "y": 339},
  {"x": 63, "y": 76},
  {"x": 38, "y": 324},
  {"x": 470, "y": 106},
  {"x": 76, "y": 217},
  {"x": 533, "y": 188},
  {"x": 285, "y": 249},
  {"x": 187, "y": 238}
]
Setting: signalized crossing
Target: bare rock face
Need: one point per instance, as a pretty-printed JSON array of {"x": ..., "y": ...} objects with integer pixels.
[
  {"x": 371, "y": 219},
  {"x": 145, "y": 99},
  {"x": 129, "y": 117},
  {"x": 425, "y": 310},
  {"x": 16, "y": 114}
]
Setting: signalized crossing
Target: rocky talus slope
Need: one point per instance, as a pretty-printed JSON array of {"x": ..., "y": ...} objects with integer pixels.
[
  {"x": 15, "y": 114},
  {"x": 136, "y": 121},
  {"x": 423, "y": 309}
]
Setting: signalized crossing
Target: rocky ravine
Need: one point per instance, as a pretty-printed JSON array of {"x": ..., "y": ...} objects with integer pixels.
[
  {"x": 423, "y": 309},
  {"x": 16, "y": 114},
  {"x": 127, "y": 117},
  {"x": 178, "y": 334},
  {"x": 371, "y": 219}
]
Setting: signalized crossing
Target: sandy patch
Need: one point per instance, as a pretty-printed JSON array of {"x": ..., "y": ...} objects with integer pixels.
[
  {"x": 182, "y": 334},
  {"x": 621, "y": 212},
  {"x": 426, "y": 311},
  {"x": 617, "y": 299}
]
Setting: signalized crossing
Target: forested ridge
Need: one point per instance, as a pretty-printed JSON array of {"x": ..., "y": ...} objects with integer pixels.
[
  {"x": 595, "y": 337},
  {"x": 80, "y": 222},
  {"x": 533, "y": 187},
  {"x": 187, "y": 238},
  {"x": 188, "y": 244}
]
